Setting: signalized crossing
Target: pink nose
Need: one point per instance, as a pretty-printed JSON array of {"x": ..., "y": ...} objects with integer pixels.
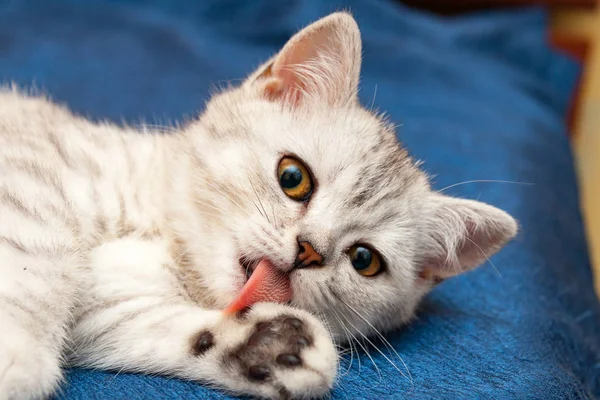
[{"x": 307, "y": 256}]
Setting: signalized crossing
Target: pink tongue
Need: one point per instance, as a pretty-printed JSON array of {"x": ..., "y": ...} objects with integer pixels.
[{"x": 267, "y": 284}]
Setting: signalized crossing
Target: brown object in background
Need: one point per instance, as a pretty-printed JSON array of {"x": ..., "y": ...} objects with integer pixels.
[{"x": 577, "y": 49}]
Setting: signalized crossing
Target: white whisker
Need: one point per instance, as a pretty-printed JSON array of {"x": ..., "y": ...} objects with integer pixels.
[
  {"x": 485, "y": 255},
  {"x": 264, "y": 213},
  {"x": 348, "y": 336},
  {"x": 484, "y": 181},
  {"x": 409, "y": 377},
  {"x": 383, "y": 339},
  {"x": 364, "y": 347},
  {"x": 373, "y": 101}
]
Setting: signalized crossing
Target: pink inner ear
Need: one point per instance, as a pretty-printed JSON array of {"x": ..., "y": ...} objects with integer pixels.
[
  {"x": 462, "y": 234},
  {"x": 477, "y": 242},
  {"x": 467, "y": 254},
  {"x": 321, "y": 63},
  {"x": 472, "y": 248},
  {"x": 301, "y": 55}
]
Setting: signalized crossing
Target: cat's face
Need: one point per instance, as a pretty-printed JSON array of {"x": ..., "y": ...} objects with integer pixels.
[{"x": 290, "y": 159}]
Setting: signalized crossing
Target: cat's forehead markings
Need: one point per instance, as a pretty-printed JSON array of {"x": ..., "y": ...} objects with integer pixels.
[{"x": 385, "y": 174}]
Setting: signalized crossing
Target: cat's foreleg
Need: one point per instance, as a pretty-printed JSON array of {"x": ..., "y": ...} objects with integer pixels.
[
  {"x": 39, "y": 270},
  {"x": 139, "y": 321}
]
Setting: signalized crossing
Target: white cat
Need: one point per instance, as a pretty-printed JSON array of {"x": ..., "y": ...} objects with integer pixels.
[{"x": 133, "y": 251}]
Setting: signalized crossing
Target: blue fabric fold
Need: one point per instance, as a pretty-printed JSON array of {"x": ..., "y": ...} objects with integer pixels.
[{"x": 478, "y": 97}]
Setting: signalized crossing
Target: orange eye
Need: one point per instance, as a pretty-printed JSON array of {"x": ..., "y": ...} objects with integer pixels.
[
  {"x": 364, "y": 260},
  {"x": 294, "y": 179}
]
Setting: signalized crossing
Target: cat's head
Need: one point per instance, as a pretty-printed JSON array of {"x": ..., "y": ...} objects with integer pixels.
[{"x": 290, "y": 162}]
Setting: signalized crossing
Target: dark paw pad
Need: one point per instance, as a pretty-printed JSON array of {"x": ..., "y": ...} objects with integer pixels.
[
  {"x": 288, "y": 360},
  {"x": 202, "y": 342},
  {"x": 293, "y": 323},
  {"x": 259, "y": 372},
  {"x": 272, "y": 344},
  {"x": 261, "y": 337},
  {"x": 298, "y": 341}
]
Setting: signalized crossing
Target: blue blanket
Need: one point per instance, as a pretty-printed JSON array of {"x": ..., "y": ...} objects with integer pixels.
[{"x": 480, "y": 97}]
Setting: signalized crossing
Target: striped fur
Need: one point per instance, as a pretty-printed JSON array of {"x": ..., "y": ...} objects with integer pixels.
[{"x": 118, "y": 246}]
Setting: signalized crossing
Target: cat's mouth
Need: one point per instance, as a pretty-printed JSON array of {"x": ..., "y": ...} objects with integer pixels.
[
  {"x": 248, "y": 266},
  {"x": 264, "y": 283}
]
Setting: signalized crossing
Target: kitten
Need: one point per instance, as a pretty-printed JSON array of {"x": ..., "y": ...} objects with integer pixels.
[{"x": 169, "y": 253}]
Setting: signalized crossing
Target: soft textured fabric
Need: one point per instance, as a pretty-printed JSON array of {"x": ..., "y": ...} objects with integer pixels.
[{"x": 477, "y": 98}]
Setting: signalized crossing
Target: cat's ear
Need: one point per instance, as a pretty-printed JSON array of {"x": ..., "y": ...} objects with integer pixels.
[
  {"x": 462, "y": 234},
  {"x": 321, "y": 62}
]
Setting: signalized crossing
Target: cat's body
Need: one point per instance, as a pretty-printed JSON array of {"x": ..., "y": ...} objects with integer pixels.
[{"x": 119, "y": 248}]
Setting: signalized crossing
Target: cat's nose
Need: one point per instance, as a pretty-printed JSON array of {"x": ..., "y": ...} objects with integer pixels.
[{"x": 307, "y": 256}]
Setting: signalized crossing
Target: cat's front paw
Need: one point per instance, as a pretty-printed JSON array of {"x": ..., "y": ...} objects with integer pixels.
[{"x": 275, "y": 352}]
